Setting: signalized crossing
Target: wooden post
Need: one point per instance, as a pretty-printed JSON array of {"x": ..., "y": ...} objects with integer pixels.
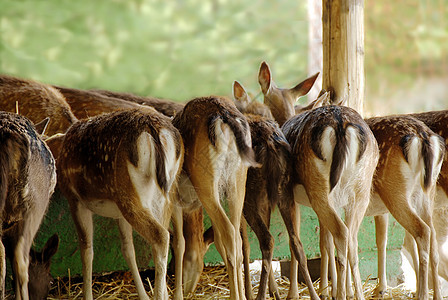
[
  {"x": 315, "y": 46},
  {"x": 343, "y": 44}
]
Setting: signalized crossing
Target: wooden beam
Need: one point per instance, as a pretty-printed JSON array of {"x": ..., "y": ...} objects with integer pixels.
[{"x": 343, "y": 51}]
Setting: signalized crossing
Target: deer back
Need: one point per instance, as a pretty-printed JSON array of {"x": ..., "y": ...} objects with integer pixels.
[
  {"x": 207, "y": 123},
  {"x": 28, "y": 173},
  {"x": 328, "y": 141},
  {"x": 414, "y": 149},
  {"x": 36, "y": 101},
  {"x": 118, "y": 155},
  {"x": 167, "y": 107},
  {"x": 85, "y": 104}
]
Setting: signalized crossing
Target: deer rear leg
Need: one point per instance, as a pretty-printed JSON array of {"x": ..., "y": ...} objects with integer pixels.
[
  {"x": 156, "y": 234},
  {"x": 127, "y": 248},
  {"x": 235, "y": 196},
  {"x": 224, "y": 231},
  {"x": 292, "y": 217},
  {"x": 273, "y": 288},
  {"x": 327, "y": 264},
  {"x": 82, "y": 217},
  {"x": 246, "y": 261},
  {"x": 160, "y": 256},
  {"x": 354, "y": 216},
  {"x": 266, "y": 242},
  {"x": 331, "y": 220},
  {"x": 179, "y": 250},
  {"x": 2, "y": 270},
  {"x": 433, "y": 249},
  {"x": 399, "y": 207},
  {"x": 289, "y": 213},
  {"x": 381, "y": 223}
]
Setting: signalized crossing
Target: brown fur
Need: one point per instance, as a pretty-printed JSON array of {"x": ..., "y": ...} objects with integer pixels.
[
  {"x": 167, "y": 107},
  {"x": 36, "y": 101},
  {"x": 85, "y": 104},
  {"x": 393, "y": 187},
  {"x": 404, "y": 128},
  {"x": 281, "y": 101},
  {"x": 214, "y": 108},
  {"x": 93, "y": 165},
  {"x": 265, "y": 188},
  {"x": 248, "y": 106},
  {"x": 438, "y": 122},
  {"x": 214, "y": 170},
  {"x": 91, "y": 103},
  {"x": 28, "y": 178},
  {"x": 393, "y": 134},
  {"x": 305, "y": 134}
]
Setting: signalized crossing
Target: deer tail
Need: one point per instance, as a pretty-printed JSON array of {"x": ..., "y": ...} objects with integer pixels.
[
  {"x": 240, "y": 129},
  {"x": 277, "y": 153},
  {"x": 431, "y": 154},
  {"x": 351, "y": 143},
  {"x": 5, "y": 167},
  {"x": 13, "y": 149}
]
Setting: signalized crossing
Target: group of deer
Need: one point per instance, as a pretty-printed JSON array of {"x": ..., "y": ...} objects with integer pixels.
[{"x": 146, "y": 162}]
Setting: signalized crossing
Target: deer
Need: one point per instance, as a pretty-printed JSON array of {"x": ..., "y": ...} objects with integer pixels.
[
  {"x": 437, "y": 121},
  {"x": 39, "y": 273},
  {"x": 218, "y": 151},
  {"x": 40, "y": 278},
  {"x": 36, "y": 101},
  {"x": 27, "y": 181},
  {"x": 335, "y": 155},
  {"x": 409, "y": 162},
  {"x": 411, "y": 156},
  {"x": 267, "y": 187},
  {"x": 189, "y": 223},
  {"x": 123, "y": 165}
]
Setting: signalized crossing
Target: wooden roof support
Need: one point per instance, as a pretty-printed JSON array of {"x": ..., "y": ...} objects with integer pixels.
[{"x": 343, "y": 51}]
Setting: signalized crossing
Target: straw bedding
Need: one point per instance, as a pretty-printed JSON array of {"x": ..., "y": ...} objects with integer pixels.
[{"x": 213, "y": 285}]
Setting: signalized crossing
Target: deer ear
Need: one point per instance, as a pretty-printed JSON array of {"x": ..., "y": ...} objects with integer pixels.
[
  {"x": 239, "y": 93},
  {"x": 304, "y": 87},
  {"x": 264, "y": 77},
  {"x": 342, "y": 102},
  {"x": 41, "y": 127},
  {"x": 324, "y": 99},
  {"x": 50, "y": 248},
  {"x": 54, "y": 142}
]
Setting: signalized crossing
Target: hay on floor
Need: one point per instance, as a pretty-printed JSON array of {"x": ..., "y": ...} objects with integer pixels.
[{"x": 213, "y": 284}]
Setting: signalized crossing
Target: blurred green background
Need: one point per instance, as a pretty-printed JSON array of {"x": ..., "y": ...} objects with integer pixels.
[{"x": 182, "y": 49}]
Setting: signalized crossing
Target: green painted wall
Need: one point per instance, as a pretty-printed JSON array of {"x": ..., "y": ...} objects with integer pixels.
[{"x": 108, "y": 255}]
